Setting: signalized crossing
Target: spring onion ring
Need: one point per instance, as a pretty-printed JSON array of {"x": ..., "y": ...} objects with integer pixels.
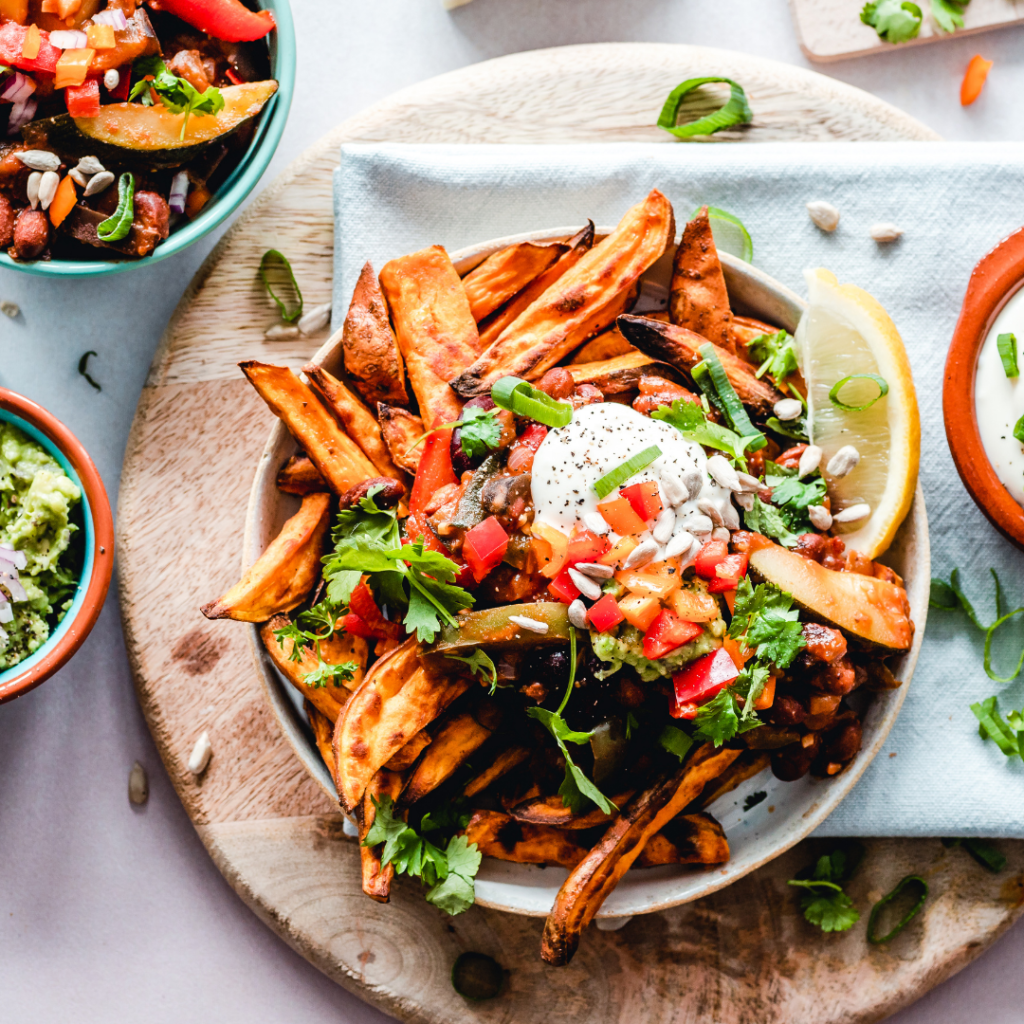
[
  {"x": 117, "y": 226},
  {"x": 876, "y": 910},
  {"x": 1007, "y": 346},
  {"x": 833, "y": 395},
  {"x": 516, "y": 395},
  {"x": 729, "y": 232},
  {"x": 629, "y": 468},
  {"x": 736, "y": 110},
  {"x": 734, "y": 409},
  {"x": 275, "y": 261}
]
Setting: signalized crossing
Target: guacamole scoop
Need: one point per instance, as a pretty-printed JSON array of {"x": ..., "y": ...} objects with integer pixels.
[{"x": 37, "y": 500}]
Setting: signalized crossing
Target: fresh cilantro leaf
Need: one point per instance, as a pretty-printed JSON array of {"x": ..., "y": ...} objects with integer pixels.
[
  {"x": 765, "y": 620},
  {"x": 325, "y": 674},
  {"x": 463, "y": 857},
  {"x": 454, "y": 895},
  {"x": 796, "y": 429},
  {"x": 176, "y": 94},
  {"x": 451, "y": 816},
  {"x": 386, "y": 828},
  {"x": 675, "y": 741},
  {"x": 793, "y": 497},
  {"x": 749, "y": 685},
  {"x": 631, "y": 724},
  {"x": 893, "y": 20},
  {"x": 777, "y": 640},
  {"x": 296, "y": 635},
  {"x": 949, "y": 14},
  {"x": 480, "y": 662},
  {"x": 717, "y": 721},
  {"x": 769, "y": 520},
  {"x": 689, "y": 419},
  {"x": 776, "y": 353},
  {"x": 481, "y": 431},
  {"x": 823, "y": 902}
]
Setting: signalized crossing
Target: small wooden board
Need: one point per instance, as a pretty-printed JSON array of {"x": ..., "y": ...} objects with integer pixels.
[
  {"x": 832, "y": 30},
  {"x": 742, "y": 956}
]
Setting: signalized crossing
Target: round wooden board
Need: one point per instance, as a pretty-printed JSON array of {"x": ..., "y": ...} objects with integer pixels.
[{"x": 742, "y": 955}]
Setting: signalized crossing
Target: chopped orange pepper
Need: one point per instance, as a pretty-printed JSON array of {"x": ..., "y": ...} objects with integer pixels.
[
  {"x": 974, "y": 79},
  {"x": 639, "y": 582},
  {"x": 767, "y": 696},
  {"x": 730, "y": 600},
  {"x": 48, "y": 7},
  {"x": 694, "y": 605},
  {"x": 552, "y": 557},
  {"x": 101, "y": 37},
  {"x": 14, "y": 10},
  {"x": 72, "y": 67},
  {"x": 197, "y": 199},
  {"x": 620, "y": 552},
  {"x": 619, "y": 515},
  {"x": 639, "y": 610},
  {"x": 739, "y": 653},
  {"x": 33, "y": 40},
  {"x": 63, "y": 202},
  {"x": 66, "y": 8}
]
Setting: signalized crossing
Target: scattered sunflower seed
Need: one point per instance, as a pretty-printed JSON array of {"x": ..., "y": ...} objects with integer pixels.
[
  {"x": 696, "y": 523},
  {"x": 824, "y": 215},
  {"x": 200, "y": 756},
  {"x": 680, "y": 544},
  {"x": 745, "y": 500},
  {"x": 48, "y": 188},
  {"x": 720, "y": 533},
  {"x": 281, "y": 332},
  {"x": 315, "y": 319},
  {"x": 641, "y": 554},
  {"x": 748, "y": 483},
  {"x": 78, "y": 177},
  {"x": 585, "y": 585},
  {"x": 788, "y": 409},
  {"x": 853, "y": 514},
  {"x": 673, "y": 489},
  {"x": 32, "y": 188},
  {"x": 712, "y": 511},
  {"x": 693, "y": 481},
  {"x": 11, "y": 309},
  {"x": 722, "y": 473},
  {"x": 820, "y": 517},
  {"x": 663, "y": 528},
  {"x": 112, "y": 79},
  {"x": 885, "y": 232},
  {"x": 843, "y": 462},
  {"x": 810, "y": 460},
  {"x": 99, "y": 183},
  {"x": 532, "y": 625},
  {"x": 39, "y": 159},
  {"x": 90, "y": 165},
  {"x": 730, "y": 517},
  {"x": 138, "y": 785},
  {"x": 595, "y": 570},
  {"x": 578, "y": 614},
  {"x": 595, "y": 523}
]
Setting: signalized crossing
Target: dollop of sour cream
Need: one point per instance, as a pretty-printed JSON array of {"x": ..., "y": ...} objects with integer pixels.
[{"x": 600, "y": 438}]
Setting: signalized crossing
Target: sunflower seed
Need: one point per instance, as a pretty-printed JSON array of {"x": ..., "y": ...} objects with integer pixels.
[
  {"x": 48, "y": 188},
  {"x": 578, "y": 614},
  {"x": 673, "y": 489},
  {"x": 39, "y": 159},
  {"x": 720, "y": 533},
  {"x": 200, "y": 756},
  {"x": 595, "y": 523},
  {"x": 810, "y": 459},
  {"x": 824, "y": 215},
  {"x": 641, "y": 554},
  {"x": 99, "y": 183},
  {"x": 32, "y": 188},
  {"x": 315, "y": 319},
  {"x": 585, "y": 585},
  {"x": 112, "y": 79},
  {"x": 788, "y": 409},
  {"x": 138, "y": 785},
  {"x": 532, "y": 625},
  {"x": 595, "y": 570},
  {"x": 730, "y": 517},
  {"x": 78, "y": 177},
  {"x": 693, "y": 481},
  {"x": 89, "y": 165},
  {"x": 663, "y": 527},
  {"x": 843, "y": 462},
  {"x": 853, "y": 514},
  {"x": 712, "y": 511},
  {"x": 885, "y": 232},
  {"x": 748, "y": 483},
  {"x": 11, "y": 309},
  {"x": 697, "y": 524},
  {"x": 281, "y": 332},
  {"x": 680, "y": 544},
  {"x": 745, "y": 501},
  {"x": 820, "y": 517},
  {"x": 722, "y": 473}
]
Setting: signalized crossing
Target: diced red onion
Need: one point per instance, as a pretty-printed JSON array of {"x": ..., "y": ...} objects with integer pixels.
[
  {"x": 112, "y": 17},
  {"x": 179, "y": 191},
  {"x": 68, "y": 39},
  {"x": 3, "y": 637},
  {"x": 17, "y": 88},
  {"x": 10, "y": 582},
  {"x": 21, "y": 114},
  {"x": 18, "y": 558}
]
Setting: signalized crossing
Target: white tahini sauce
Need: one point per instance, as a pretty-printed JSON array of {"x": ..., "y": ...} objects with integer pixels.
[
  {"x": 999, "y": 400},
  {"x": 600, "y": 438}
]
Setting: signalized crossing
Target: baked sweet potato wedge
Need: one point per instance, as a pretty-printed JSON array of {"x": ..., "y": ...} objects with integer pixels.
[
  {"x": 435, "y": 328},
  {"x": 551, "y": 327},
  {"x": 500, "y": 766},
  {"x": 576, "y": 246},
  {"x": 323, "y": 734},
  {"x": 395, "y": 700},
  {"x": 746, "y": 766},
  {"x": 299, "y": 476},
  {"x": 339, "y": 459},
  {"x": 550, "y": 811},
  {"x": 285, "y": 573},
  {"x": 401, "y": 429},
  {"x": 376, "y": 879},
  {"x": 688, "y": 839},
  {"x": 371, "y": 354},
  {"x": 406, "y": 757},
  {"x": 745, "y": 329},
  {"x": 681, "y": 348},
  {"x": 698, "y": 299},
  {"x": 502, "y": 837},
  {"x": 329, "y": 699},
  {"x": 358, "y": 422},
  {"x": 599, "y": 872},
  {"x": 621, "y": 373},
  {"x": 606, "y": 345},
  {"x": 504, "y": 273}
]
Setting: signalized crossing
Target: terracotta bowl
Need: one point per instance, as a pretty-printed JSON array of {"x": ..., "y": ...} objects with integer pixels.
[
  {"x": 98, "y": 558},
  {"x": 993, "y": 283},
  {"x": 788, "y": 812}
]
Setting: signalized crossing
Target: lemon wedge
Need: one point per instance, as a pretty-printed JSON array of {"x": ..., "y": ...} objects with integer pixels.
[{"x": 845, "y": 333}]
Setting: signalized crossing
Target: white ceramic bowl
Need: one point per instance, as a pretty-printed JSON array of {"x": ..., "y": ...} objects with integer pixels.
[{"x": 791, "y": 810}]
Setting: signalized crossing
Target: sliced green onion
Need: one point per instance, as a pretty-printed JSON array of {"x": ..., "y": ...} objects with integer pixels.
[
  {"x": 702, "y": 378},
  {"x": 736, "y": 110},
  {"x": 734, "y": 410},
  {"x": 516, "y": 395},
  {"x": 833, "y": 395},
  {"x": 1007, "y": 345},
  {"x": 1018, "y": 430},
  {"x": 876, "y": 910},
  {"x": 117, "y": 226},
  {"x": 275, "y": 265},
  {"x": 729, "y": 232},
  {"x": 629, "y": 468}
]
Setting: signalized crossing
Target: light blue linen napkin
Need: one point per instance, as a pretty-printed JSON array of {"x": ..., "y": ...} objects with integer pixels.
[{"x": 954, "y": 201}]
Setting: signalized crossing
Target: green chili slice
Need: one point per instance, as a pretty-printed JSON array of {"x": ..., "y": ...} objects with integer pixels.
[
  {"x": 629, "y": 468},
  {"x": 734, "y": 410},
  {"x": 276, "y": 270},
  {"x": 833, "y": 395},
  {"x": 876, "y": 910},
  {"x": 117, "y": 226},
  {"x": 516, "y": 395},
  {"x": 736, "y": 110},
  {"x": 1007, "y": 345},
  {"x": 1018, "y": 430}
]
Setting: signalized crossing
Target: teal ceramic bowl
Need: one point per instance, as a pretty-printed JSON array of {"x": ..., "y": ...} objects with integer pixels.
[{"x": 232, "y": 191}]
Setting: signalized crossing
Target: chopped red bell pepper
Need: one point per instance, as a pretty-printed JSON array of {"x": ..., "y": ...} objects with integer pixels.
[
  {"x": 700, "y": 681},
  {"x": 606, "y": 614},
  {"x": 351, "y": 623},
  {"x": 12, "y": 40},
  {"x": 83, "y": 100},
  {"x": 229, "y": 20},
  {"x": 667, "y": 632},
  {"x": 563, "y": 588},
  {"x": 645, "y": 499},
  {"x": 124, "y": 84},
  {"x": 434, "y": 471},
  {"x": 416, "y": 526},
  {"x": 584, "y": 546},
  {"x": 484, "y": 547},
  {"x": 728, "y": 573},
  {"x": 706, "y": 562},
  {"x": 362, "y": 605}
]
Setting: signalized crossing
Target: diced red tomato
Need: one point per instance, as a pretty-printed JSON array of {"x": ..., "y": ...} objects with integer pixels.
[
  {"x": 706, "y": 562},
  {"x": 12, "y": 41},
  {"x": 524, "y": 448},
  {"x": 667, "y": 632},
  {"x": 434, "y": 471},
  {"x": 619, "y": 515},
  {"x": 563, "y": 588},
  {"x": 728, "y": 573},
  {"x": 605, "y": 614},
  {"x": 353, "y": 624},
  {"x": 700, "y": 681},
  {"x": 83, "y": 100},
  {"x": 484, "y": 547},
  {"x": 364, "y": 607},
  {"x": 230, "y": 20},
  {"x": 584, "y": 546},
  {"x": 645, "y": 499}
]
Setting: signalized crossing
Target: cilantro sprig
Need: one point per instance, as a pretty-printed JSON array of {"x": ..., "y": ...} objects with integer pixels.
[
  {"x": 793, "y": 496},
  {"x": 312, "y": 627},
  {"x": 480, "y": 664},
  {"x": 176, "y": 94},
  {"x": 949, "y": 14},
  {"x": 776, "y": 354},
  {"x": 823, "y": 901},
  {"x": 768, "y": 520},
  {"x": 691, "y": 421},
  {"x": 895, "y": 21},
  {"x": 481, "y": 431}
]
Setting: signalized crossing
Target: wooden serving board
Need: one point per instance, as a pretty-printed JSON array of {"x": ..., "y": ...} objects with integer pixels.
[
  {"x": 742, "y": 955},
  {"x": 832, "y": 29}
]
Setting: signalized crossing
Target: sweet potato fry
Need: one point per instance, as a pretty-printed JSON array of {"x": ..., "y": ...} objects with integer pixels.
[
  {"x": 688, "y": 839},
  {"x": 576, "y": 246},
  {"x": 371, "y": 354},
  {"x": 698, "y": 299},
  {"x": 329, "y": 699},
  {"x": 550, "y": 811},
  {"x": 405, "y": 757},
  {"x": 435, "y": 328},
  {"x": 745, "y": 329},
  {"x": 401, "y": 429},
  {"x": 502, "y": 837},
  {"x": 453, "y": 743},
  {"x": 299, "y": 476},
  {"x": 285, "y": 573},
  {"x": 599, "y": 872},
  {"x": 681, "y": 348},
  {"x": 395, "y": 700},
  {"x": 358, "y": 422},
  {"x": 606, "y": 345},
  {"x": 506, "y": 272},
  {"x": 620, "y": 373},
  {"x": 376, "y": 880},
  {"x": 323, "y": 733},
  {"x": 746, "y": 766},
  {"x": 550, "y": 328},
  {"x": 501, "y": 765},
  {"x": 338, "y": 458}
]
